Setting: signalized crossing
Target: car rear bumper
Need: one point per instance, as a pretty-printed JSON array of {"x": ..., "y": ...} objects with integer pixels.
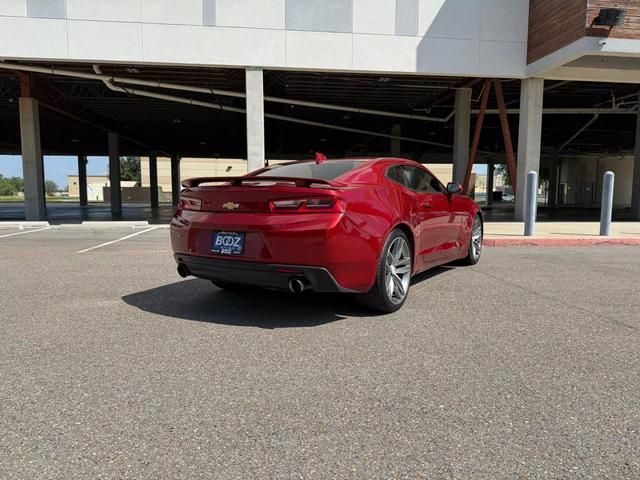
[
  {"x": 265, "y": 275},
  {"x": 341, "y": 244}
]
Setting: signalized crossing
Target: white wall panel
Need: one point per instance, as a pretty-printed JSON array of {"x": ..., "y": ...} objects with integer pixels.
[
  {"x": 46, "y": 8},
  {"x": 113, "y": 10},
  {"x": 18, "y": 38},
  {"x": 250, "y": 13},
  {"x": 407, "y": 17},
  {"x": 319, "y": 50},
  {"x": 374, "y": 16},
  {"x": 506, "y": 20},
  {"x": 384, "y": 52},
  {"x": 105, "y": 40},
  {"x": 17, "y": 8},
  {"x": 182, "y": 12},
  {"x": 447, "y": 56},
  {"x": 450, "y": 18},
  {"x": 213, "y": 45},
  {"x": 502, "y": 58},
  {"x": 320, "y": 15}
]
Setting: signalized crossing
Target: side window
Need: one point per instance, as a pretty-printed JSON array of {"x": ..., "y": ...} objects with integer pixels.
[
  {"x": 422, "y": 181},
  {"x": 399, "y": 175},
  {"x": 414, "y": 178}
]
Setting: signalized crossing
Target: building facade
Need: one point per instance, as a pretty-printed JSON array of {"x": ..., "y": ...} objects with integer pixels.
[{"x": 523, "y": 41}]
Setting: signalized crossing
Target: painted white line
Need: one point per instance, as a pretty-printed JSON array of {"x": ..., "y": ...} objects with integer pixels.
[
  {"x": 24, "y": 232},
  {"x": 117, "y": 240}
]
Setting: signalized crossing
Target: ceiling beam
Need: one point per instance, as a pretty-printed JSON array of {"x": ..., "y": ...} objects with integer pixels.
[{"x": 52, "y": 99}]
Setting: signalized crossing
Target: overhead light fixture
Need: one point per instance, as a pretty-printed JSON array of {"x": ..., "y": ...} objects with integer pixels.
[
  {"x": 610, "y": 17},
  {"x": 176, "y": 121}
]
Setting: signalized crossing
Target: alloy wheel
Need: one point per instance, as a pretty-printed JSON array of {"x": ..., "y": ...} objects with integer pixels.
[
  {"x": 398, "y": 270},
  {"x": 476, "y": 238}
]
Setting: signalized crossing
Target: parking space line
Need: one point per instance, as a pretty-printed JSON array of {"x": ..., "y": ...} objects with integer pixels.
[
  {"x": 118, "y": 240},
  {"x": 24, "y": 232}
]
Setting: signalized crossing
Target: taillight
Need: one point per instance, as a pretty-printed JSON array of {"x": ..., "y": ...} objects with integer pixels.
[
  {"x": 190, "y": 203},
  {"x": 306, "y": 205}
]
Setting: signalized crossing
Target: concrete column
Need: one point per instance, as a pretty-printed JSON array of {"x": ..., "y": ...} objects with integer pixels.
[
  {"x": 553, "y": 180},
  {"x": 255, "y": 118},
  {"x": 32, "y": 162},
  {"x": 82, "y": 179},
  {"x": 529, "y": 138},
  {"x": 153, "y": 180},
  {"x": 175, "y": 180},
  {"x": 396, "y": 144},
  {"x": 635, "y": 188},
  {"x": 114, "y": 173},
  {"x": 491, "y": 171},
  {"x": 461, "y": 134}
]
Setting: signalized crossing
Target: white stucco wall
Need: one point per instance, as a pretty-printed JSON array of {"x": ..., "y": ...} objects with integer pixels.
[{"x": 440, "y": 37}]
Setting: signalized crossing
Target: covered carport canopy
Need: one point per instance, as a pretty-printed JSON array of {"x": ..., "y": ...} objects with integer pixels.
[{"x": 201, "y": 112}]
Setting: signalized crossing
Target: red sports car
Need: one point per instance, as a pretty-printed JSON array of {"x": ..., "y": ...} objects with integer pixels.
[{"x": 362, "y": 226}]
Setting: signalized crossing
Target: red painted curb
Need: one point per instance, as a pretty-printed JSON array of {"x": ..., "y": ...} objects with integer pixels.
[{"x": 558, "y": 241}]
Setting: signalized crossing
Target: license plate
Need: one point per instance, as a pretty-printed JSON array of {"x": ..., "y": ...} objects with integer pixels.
[{"x": 228, "y": 243}]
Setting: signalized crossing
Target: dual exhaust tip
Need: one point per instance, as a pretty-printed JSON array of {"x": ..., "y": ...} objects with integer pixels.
[
  {"x": 297, "y": 285},
  {"x": 183, "y": 271}
]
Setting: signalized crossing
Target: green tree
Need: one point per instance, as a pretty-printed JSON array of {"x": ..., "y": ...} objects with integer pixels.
[
  {"x": 50, "y": 186},
  {"x": 130, "y": 169},
  {"x": 10, "y": 186},
  {"x": 503, "y": 171}
]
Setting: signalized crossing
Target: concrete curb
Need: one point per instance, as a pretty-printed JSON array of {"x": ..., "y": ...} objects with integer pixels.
[
  {"x": 558, "y": 241},
  {"x": 23, "y": 224},
  {"x": 110, "y": 226},
  {"x": 115, "y": 224}
]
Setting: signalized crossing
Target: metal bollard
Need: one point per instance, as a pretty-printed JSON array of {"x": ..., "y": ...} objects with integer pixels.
[
  {"x": 607, "y": 204},
  {"x": 531, "y": 204}
]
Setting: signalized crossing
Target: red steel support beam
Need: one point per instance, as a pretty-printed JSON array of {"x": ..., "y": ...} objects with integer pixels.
[
  {"x": 506, "y": 133},
  {"x": 476, "y": 135}
]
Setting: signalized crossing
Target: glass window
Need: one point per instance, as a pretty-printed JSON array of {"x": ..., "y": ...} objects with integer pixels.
[
  {"x": 415, "y": 178},
  {"x": 326, "y": 170},
  {"x": 422, "y": 181},
  {"x": 399, "y": 175}
]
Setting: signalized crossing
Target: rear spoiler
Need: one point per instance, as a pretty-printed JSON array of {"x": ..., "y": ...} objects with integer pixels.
[{"x": 238, "y": 181}]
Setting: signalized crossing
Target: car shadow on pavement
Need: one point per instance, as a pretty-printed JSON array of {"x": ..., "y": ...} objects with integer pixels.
[{"x": 199, "y": 300}]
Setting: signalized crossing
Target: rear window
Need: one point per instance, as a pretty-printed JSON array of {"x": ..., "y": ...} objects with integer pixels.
[{"x": 322, "y": 171}]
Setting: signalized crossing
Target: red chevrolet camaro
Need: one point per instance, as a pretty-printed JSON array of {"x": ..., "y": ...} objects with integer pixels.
[{"x": 362, "y": 226}]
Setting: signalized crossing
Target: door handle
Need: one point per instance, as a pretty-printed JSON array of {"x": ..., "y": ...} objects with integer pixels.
[{"x": 426, "y": 205}]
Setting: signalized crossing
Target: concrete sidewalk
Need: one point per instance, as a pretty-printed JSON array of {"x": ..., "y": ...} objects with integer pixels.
[{"x": 560, "y": 234}]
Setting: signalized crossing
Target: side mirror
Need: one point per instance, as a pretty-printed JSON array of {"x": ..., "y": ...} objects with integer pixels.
[{"x": 453, "y": 187}]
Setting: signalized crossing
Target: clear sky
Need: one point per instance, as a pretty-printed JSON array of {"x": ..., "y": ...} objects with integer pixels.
[{"x": 56, "y": 168}]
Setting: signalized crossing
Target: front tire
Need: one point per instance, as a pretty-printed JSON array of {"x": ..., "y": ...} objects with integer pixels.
[
  {"x": 475, "y": 242},
  {"x": 393, "y": 275}
]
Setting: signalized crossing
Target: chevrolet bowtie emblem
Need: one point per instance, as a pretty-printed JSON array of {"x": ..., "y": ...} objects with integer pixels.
[{"x": 230, "y": 205}]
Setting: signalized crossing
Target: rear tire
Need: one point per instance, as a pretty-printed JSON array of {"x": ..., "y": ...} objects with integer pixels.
[
  {"x": 475, "y": 242},
  {"x": 393, "y": 275}
]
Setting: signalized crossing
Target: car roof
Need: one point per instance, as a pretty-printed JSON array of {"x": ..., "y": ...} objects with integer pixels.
[{"x": 368, "y": 160}]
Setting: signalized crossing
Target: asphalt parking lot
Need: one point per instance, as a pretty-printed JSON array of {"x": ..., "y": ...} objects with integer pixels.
[{"x": 111, "y": 366}]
